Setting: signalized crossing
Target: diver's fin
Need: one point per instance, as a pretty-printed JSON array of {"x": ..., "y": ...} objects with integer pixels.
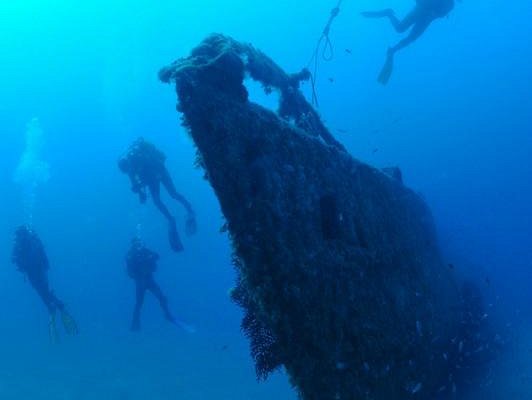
[
  {"x": 52, "y": 330},
  {"x": 387, "y": 70},
  {"x": 183, "y": 325},
  {"x": 173, "y": 238},
  {"x": 69, "y": 323}
]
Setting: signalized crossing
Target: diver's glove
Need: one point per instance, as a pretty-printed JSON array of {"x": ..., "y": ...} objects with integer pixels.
[
  {"x": 52, "y": 330},
  {"x": 70, "y": 325}
]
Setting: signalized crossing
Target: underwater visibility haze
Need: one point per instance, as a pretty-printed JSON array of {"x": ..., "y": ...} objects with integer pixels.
[{"x": 359, "y": 232}]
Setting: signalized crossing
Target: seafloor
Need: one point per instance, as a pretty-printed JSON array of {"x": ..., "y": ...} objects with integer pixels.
[{"x": 161, "y": 364}]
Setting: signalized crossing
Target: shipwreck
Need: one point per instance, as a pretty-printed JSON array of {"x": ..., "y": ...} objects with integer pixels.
[{"x": 339, "y": 271}]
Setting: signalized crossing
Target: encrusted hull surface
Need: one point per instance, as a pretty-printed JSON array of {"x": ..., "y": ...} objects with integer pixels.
[{"x": 339, "y": 270}]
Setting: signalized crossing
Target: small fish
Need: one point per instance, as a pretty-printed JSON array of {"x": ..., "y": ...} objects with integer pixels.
[
  {"x": 417, "y": 388},
  {"x": 348, "y": 51},
  {"x": 451, "y": 266},
  {"x": 445, "y": 356},
  {"x": 224, "y": 347},
  {"x": 366, "y": 367},
  {"x": 488, "y": 281},
  {"x": 331, "y": 80},
  {"x": 419, "y": 328},
  {"x": 340, "y": 366},
  {"x": 375, "y": 150},
  {"x": 460, "y": 346},
  {"x": 341, "y": 130}
]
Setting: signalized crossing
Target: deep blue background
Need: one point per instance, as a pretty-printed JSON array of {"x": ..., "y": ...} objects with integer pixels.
[{"x": 455, "y": 117}]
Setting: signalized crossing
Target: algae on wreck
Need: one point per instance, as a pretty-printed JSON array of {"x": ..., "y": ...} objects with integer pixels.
[{"x": 339, "y": 271}]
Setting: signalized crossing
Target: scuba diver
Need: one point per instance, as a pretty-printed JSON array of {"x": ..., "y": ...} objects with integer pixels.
[
  {"x": 141, "y": 264},
  {"x": 145, "y": 166},
  {"x": 419, "y": 19},
  {"x": 30, "y": 258}
]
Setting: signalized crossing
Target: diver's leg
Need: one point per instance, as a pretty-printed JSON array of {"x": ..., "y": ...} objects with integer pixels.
[
  {"x": 139, "y": 301},
  {"x": 191, "y": 225},
  {"x": 163, "y": 301},
  {"x": 58, "y": 303},
  {"x": 403, "y": 25},
  {"x": 418, "y": 29},
  {"x": 173, "y": 235},
  {"x": 387, "y": 13},
  {"x": 167, "y": 182},
  {"x": 40, "y": 285},
  {"x": 155, "y": 192},
  {"x": 399, "y": 25},
  {"x": 69, "y": 323}
]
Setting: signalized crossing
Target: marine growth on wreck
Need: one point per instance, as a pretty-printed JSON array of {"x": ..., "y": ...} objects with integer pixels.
[{"x": 339, "y": 271}]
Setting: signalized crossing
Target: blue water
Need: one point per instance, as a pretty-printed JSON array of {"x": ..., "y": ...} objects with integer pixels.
[{"x": 455, "y": 117}]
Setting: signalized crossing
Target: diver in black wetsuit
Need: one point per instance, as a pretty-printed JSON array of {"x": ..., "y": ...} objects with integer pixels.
[
  {"x": 30, "y": 258},
  {"x": 141, "y": 265},
  {"x": 145, "y": 166},
  {"x": 419, "y": 19}
]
